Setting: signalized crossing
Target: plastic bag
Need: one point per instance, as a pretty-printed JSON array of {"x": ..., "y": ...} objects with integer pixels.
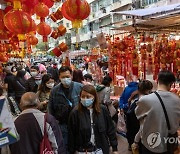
[{"x": 121, "y": 125}]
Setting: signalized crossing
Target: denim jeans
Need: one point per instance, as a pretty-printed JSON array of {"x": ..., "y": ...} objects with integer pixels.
[{"x": 64, "y": 130}]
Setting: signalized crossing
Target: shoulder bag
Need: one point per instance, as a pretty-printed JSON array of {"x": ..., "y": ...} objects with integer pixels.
[
  {"x": 171, "y": 147},
  {"x": 45, "y": 146}
]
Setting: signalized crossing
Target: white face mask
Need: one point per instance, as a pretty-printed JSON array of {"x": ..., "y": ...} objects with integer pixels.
[
  {"x": 66, "y": 81},
  {"x": 50, "y": 85},
  {"x": 38, "y": 82},
  {"x": 33, "y": 74},
  {"x": 87, "y": 102}
]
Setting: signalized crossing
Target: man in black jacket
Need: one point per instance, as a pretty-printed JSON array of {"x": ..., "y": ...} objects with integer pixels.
[
  {"x": 63, "y": 98},
  {"x": 35, "y": 80}
]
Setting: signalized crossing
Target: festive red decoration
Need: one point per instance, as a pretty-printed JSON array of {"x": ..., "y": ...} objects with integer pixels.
[
  {"x": 18, "y": 22},
  {"x": 63, "y": 47},
  {"x": 44, "y": 30},
  {"x": 61, "y": 30},
  {"x": 8, "y": 8},
  {"x": 1, "y": 20},
  {"x": 57, "y": 52},
  {"x": 76, "y": 11},
  {"x": 57, "y": 15},
  {"x": 49, "y": 3},
  {"x": 32, "y": 40},
  {"x": 41, "y": 10}
]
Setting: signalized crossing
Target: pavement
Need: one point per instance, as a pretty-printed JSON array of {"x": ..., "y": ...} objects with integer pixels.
[{"x": 123, "y": 145}]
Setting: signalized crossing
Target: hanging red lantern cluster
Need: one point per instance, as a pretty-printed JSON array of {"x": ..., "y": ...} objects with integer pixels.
[
  {"x": 60, "y": 31},
  {"x": 76, "y": 11}
]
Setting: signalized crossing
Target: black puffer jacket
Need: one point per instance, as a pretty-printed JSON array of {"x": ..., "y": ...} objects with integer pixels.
[{"x": 80, "y": 130}]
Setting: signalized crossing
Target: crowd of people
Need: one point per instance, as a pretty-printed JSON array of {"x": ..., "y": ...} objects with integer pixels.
[{"x": 80, "y": 117}]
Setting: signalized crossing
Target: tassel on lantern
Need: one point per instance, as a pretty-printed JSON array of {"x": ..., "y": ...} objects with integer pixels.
[{"x": 17, "y": 5}]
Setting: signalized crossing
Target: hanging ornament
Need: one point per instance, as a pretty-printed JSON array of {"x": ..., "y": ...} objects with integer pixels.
[
  {"x": 1, "y": 20},
  {"x": 49, "y": 3},
  {"x": 63, "y": 47},
  {"x": 76, "y": 11},
  {"x": 18, "y": 22},
  {"x": 41, "y": 10},
  {"x": 57, "y": 15},
  {"x": 44, "y": 30}
]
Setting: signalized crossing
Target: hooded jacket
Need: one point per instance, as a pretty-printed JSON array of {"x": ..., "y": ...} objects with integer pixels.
[{"x": 123, "y": 102}]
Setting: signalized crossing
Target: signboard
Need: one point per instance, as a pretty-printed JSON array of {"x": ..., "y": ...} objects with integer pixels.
[{"x": 8, "y": 133}]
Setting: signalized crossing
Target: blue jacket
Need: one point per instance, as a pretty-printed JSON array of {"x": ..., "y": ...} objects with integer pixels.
[
  {"x": 123, "y": 101},
  {"x": 59, "y": 105}
]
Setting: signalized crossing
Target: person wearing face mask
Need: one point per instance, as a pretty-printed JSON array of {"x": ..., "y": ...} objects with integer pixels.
[
  {"x": 35, "y": 80},
  {"x": 90, "y": 126},
  {"x": 44, "y": 91},
  {"x": 63, "y": 98}
]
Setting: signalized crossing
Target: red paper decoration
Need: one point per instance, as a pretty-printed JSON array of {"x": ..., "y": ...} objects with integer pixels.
[
  {"x": 42, "y": 10},
  {"x": 18, "y": 22},
  {"x": 63, "y": 47},
  {"x": 8, "y": 8},
  {"x": 49, "y": 3},
  {"x": 57, "y": 52}
]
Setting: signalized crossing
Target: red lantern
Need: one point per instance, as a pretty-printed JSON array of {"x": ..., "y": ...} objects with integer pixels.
[
  {"x": 1, "y": 19},
  {"x": 32, "y": 40},
  {"x": 77, "y": 13},
  {"x": 42, "y": 10},
  {"x": 44, "y": 30},
  {"x": 49, "y": 3},
  {"x": 31, "y": 3},
  {"x": 18, "y": 22}
]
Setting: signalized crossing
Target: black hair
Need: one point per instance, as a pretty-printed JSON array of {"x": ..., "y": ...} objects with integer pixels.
[
  {"x": 88, "y": 76},
  {"x": 106, "y": 80},
  {"x": 35, "y": 67},
  {"x": 1, "y": 91},
  {"x": 45, "y": 79},
  {"x": 12, "y": 69},
  {"x": 78, "y": 76},
  {"x": 64, "y": 69},
  {"x": 166, "y": 77},
  {"x": 21, "y": 74},
  {"x": 144, "y": 85}
]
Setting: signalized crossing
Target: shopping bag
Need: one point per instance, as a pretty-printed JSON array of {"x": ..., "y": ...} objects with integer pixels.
[
  {"x": 45, "y": 146},
  {"x": 121, "y": 125},
  {"x": 112, "y": 109}
]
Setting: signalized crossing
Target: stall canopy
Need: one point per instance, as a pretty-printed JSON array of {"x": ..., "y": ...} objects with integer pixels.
[
  {"x": 149, "y": 12},
  {"x": 165, "y": 18}
]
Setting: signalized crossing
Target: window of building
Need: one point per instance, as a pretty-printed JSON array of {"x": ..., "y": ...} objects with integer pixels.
[
  {"x": 105, "y": 21},
  {"x": 101, "y": 4},
  {"x": 94, "y": 7},
  {"x": 114, "y": 1},
  {"x": 67, "y": 25}
]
